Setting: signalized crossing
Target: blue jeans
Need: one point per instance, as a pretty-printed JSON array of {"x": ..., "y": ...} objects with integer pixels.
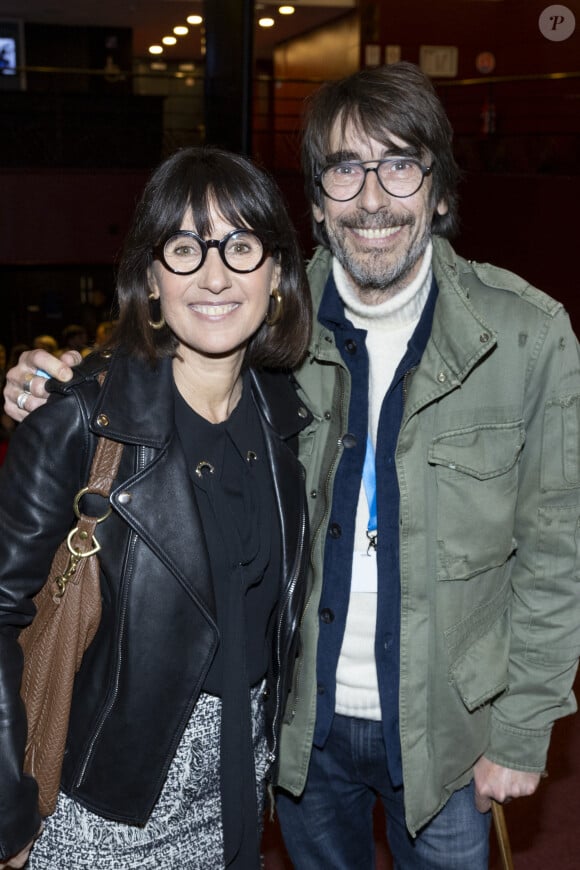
[{"x": 331, "y": 826}]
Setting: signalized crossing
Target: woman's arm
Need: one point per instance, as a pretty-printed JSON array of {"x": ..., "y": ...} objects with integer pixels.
[{"x": 46, "y": 464}]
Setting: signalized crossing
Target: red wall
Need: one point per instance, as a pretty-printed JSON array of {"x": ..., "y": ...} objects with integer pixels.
[{"x": 508, "y": 28}]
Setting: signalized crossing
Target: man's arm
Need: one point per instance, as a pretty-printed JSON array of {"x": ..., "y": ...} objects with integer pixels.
[
  {"x": 29, "y": 363},
  {"x": 545, "y": 607}
]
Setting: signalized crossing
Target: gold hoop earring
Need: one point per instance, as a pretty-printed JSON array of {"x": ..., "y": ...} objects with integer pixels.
[
  {"x": 156, "y": 324},
  {"x": 276, "y": 315}
]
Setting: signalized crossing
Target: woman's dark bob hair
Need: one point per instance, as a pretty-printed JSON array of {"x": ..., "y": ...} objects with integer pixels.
[
  {"x": 202, "y": 179},
  {"x": 398, "y": 100}
]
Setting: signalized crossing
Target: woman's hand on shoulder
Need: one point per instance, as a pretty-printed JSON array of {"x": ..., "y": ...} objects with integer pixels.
[{"x": 29, "y": 376}]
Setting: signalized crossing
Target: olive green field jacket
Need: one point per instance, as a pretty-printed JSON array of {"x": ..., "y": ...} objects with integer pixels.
[{"x": 488, "y": 463}]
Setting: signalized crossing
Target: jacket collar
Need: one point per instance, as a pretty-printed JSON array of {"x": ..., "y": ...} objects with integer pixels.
[
  {"x": 137, "y": 402},
  {"x": 460, "y": 335},
  {"x": 276, "y": 397},
  {"x": 322, "y": 342}
]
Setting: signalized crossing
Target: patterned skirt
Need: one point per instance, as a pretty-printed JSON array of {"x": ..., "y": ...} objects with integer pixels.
[{"x": 184, "y": 830}]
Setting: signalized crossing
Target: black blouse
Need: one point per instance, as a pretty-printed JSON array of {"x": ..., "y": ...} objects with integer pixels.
[{"x": 234, "y": 492}]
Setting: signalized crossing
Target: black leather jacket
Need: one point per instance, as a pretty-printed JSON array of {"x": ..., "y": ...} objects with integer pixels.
[{"x": 142, "y": 675}]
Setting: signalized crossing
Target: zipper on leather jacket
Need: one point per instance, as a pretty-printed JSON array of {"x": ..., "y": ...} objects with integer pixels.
[
  {"x": 123, "y": 612},
  {"x": 107, "y": 710},
  {"x": 285, "y": 606},
  {"x": 322, "y": 523}
]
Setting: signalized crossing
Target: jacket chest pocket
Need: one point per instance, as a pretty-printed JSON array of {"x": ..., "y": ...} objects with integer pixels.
[{"x": 477, "y": 481}]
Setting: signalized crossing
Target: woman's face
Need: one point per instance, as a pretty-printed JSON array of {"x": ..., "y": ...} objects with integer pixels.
[{"x": 214, "y": 311}]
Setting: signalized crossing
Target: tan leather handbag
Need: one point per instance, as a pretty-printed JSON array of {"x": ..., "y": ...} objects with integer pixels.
[{"x": 68, "y": 615}]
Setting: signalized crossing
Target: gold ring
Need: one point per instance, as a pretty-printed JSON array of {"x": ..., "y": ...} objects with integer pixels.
[
  {"x": 26, "y": 383},
  {"x": 77, "y": 510}
]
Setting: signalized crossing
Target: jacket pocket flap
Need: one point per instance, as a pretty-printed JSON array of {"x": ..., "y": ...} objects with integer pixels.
[
  {"x": 482, "y": 452},
  {"x": 481, "y": 673}
]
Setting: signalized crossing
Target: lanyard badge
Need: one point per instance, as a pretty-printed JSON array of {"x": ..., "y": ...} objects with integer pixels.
[{"x": 370, "y": 485}]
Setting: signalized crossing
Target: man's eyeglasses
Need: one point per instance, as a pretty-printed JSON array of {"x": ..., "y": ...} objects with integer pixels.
[
  {"x": 184, "y": 252},
  {"x": 398, "y": 176}
]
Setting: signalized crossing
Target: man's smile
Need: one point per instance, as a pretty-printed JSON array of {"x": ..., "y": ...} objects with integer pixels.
[{"x": 382, "y": 233}]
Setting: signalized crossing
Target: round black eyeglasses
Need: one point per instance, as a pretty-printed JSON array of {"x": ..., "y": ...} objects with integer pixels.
[
  {"x": 184, "y": 252},
  {"x": 398, "y": 176}
]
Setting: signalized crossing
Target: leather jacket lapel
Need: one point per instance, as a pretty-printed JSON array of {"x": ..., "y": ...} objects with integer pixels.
[{"x": 159, "y": 503}]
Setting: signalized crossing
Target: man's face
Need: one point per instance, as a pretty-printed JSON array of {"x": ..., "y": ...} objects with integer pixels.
[{"x": 379, "y": 239}]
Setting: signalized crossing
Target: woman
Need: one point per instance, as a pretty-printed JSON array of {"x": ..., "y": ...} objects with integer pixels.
[{"x": 177, "y": 705}]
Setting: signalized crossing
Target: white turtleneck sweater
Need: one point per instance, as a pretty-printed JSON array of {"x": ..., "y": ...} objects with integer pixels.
[{"x": 389, "y": 327}]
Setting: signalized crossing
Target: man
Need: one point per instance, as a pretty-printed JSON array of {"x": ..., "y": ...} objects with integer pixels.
[{"x": 441, "y": 634}]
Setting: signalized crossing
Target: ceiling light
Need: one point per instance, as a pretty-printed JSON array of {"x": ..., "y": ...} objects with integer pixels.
[
  {"x": 155, "y": 49},
  {"x": 180, "y": 30},
  {"x": 286, "y": 10},
  {"x": 169, "y": 40},
  {"x": 194, "y": 19},
  {"x": 266, "y": 22}
]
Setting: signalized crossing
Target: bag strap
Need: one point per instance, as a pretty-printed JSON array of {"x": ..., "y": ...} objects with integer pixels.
[
  {"x": 81, "y": 541},
  {"x": 104, "y": 466}
]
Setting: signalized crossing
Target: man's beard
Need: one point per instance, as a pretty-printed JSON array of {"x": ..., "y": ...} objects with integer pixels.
[{"x": 375, "y": 273}]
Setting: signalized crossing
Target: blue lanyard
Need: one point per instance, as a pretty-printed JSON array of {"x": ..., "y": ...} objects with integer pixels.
[{"x": 370, "y": 485}]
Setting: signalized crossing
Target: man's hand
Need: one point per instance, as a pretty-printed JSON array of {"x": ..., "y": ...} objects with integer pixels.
[
  {"x": 492, "y": 781},
  {"x": 22, "y": 379}
]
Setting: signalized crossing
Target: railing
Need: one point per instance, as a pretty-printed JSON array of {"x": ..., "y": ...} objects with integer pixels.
[
  {"x": 516, "y": 124},
  {"x": 101, "y": 119},
  {"x": 527, "y": 123},
  {"x": 80, "y": 117}
]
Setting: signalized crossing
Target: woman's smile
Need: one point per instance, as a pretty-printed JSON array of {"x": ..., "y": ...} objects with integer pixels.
[{"x": 214, "y": 310}]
